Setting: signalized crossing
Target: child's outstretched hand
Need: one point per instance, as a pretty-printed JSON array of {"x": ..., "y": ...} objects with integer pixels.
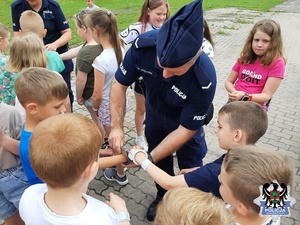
[
  {"x": 137, "y": 155},
  {"x": 116, "y": 202}
]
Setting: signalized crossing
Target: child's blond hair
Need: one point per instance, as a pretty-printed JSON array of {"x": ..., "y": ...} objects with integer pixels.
[
  {"x": 190, "y": 206},
  {"x": 26, "y": 51},
  {"x": 247, "y": 116},
  {"x": 62, "y": 147},
  {"x": 32, "y": 22},
  {"x": 4, "y": 31},
  {"x": 249, "y": 167},
  {"x": 39, "y": 85}
]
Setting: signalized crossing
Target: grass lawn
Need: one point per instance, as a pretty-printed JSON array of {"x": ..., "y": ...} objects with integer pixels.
[{"x": 127, "y": 11}]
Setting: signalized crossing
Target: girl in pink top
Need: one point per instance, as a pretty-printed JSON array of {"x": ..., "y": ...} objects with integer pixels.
[{"x": 260, "y": 68}]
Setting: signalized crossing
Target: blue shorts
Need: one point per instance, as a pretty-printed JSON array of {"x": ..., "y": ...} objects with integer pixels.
[{"x": 13, "y": 183}]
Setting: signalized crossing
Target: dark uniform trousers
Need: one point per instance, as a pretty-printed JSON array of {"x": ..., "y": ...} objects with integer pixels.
[{"x": 158, "y": 126}]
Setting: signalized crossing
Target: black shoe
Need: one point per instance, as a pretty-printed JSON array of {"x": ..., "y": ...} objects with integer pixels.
[{"x": 151, "y": 212}]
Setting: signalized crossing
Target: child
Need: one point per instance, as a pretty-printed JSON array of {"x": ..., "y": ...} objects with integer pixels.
[
  {"x": 260, "y": 69},
  {"x": 233, "y": 129},
  {"x": 91, "y": 6},
  {"x": 28, "y": 51},
  {"x": 67, "y": 164},
  {"x": 42, "y": 93},
  {"x": 7, "y": 92},
  {"x": 104, "y": 28},
  {"x": 84, "y": 69},
  {"x": 13, "y": 181},
  {"x": 190, "y": 206},
  {"x": 243, "y": 171},
  {"x": 207, "y": 44},
  {"x": 32, "y": 22},
  {"x": 153, "y": 14}
]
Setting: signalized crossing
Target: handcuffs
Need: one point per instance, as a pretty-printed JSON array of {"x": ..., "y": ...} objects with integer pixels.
[{"x": 134, "y": 151}]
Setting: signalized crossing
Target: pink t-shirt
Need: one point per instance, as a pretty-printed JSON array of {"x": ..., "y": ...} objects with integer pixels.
[{"x": 253, "y": 77}]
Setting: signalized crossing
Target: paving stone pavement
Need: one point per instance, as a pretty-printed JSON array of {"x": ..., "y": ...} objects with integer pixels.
[
  {"x": 292, "y": 6},
  {"x": 229, "y": 27}
]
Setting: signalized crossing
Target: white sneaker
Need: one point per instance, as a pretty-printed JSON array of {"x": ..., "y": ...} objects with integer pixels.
[{"x": 140, "y": 140}]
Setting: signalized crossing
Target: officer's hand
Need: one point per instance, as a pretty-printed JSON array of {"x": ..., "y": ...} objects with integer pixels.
[
  {"x": 116, "y": 140},
  {"x": 51, "y": 47}
]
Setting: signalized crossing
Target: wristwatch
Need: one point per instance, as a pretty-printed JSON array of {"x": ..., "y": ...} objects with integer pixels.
[
  {"x": 123, "y": 216},
  {"x": 133, "y": 152},
  {"x": 245, "y": 97}
]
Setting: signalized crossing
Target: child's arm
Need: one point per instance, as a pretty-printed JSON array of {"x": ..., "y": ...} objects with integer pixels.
[
  {"x": 66, "y": 36},
  {"x": 119, "y": 205},
  {"x": 159, "y": 176},
  {"x": 9, "y": 143},
  {"x": 229, "y": 83},
  {"x": 184, "y": 171},
  {"x": 110, "y": 161},
  {"x": 80, "y": 84},
  {"x": 72, "y": 53}
]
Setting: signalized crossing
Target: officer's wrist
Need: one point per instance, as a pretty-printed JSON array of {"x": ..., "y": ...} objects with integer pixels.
[{"x": 150, "y": 157}]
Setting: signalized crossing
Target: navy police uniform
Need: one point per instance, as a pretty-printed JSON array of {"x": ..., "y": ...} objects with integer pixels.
[
  {"x": 178, "y": 100},
  {"x": 55, "y": 22}
]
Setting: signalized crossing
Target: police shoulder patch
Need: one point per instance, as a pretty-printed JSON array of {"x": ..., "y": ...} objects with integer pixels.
[{"x": 144, "y": 42}]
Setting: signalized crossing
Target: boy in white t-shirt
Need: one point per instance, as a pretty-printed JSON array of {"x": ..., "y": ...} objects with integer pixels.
[
  {"x": 64, "y": 153},
  {"x": 91, "y": 5}
]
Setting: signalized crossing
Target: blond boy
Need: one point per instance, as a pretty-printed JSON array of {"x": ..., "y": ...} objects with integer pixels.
[
  {"x": 190, "y": 206},
  {"x": 239, "y": 123},
  {"x": 64, "y": 152},
  {"x": 42, "y": 94},
  {"x": 243, "y": 171},
  {"x": 31, "y": 22}
]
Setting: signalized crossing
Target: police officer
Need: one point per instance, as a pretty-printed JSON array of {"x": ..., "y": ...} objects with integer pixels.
[
  {"x": 180, "y": 86},
  {"x": 58, "y": 30}
]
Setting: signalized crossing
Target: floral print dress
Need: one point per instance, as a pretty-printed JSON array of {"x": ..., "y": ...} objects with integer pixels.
[{"x": 7, "y": 80}]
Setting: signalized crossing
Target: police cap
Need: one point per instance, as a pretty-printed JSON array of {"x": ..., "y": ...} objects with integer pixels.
[{"x": 180, "y": 38}]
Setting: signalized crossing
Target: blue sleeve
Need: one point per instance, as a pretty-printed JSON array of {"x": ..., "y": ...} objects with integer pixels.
[
  {"x": 61, "y": 22},
  {"x": 206, "y": 177},
  {"x": 16, "y": 10},
  {"x": 194, "y": 112}
]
